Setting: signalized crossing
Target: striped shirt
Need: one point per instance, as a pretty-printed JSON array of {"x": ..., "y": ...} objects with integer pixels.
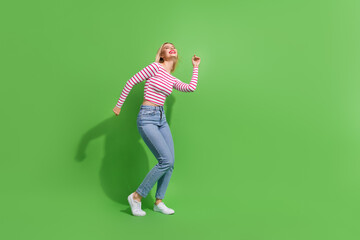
[{"x": 159, "y": 84}]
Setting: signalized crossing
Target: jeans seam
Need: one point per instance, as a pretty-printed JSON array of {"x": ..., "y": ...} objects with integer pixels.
[{"x": 157, "y": 150}]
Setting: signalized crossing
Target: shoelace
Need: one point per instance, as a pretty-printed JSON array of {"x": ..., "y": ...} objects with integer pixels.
[
  {"x": 137, "y": 204},
  {"x": 163, "y": 206}
]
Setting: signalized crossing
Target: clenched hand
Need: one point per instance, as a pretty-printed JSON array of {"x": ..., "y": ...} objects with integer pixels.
[{"x": 116, "y": 110}]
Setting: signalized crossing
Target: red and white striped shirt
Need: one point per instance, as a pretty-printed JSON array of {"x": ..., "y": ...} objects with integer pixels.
[{"x": 159, "y": 84}]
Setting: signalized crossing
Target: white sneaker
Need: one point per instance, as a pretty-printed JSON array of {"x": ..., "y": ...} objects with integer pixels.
[
  {"x": 135, "y": 206},
  {"x": 161, "y": 207}
]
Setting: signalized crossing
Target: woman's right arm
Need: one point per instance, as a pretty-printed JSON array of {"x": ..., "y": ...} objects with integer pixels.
[{"x": 145, "y": 73}]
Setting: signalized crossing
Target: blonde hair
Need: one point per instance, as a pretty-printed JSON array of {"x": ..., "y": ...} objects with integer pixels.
[{"x": 161, "y": 60}]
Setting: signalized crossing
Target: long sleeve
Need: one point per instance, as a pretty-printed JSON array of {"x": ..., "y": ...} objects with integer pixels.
[
  {"x": 183, "y": 87},
  {"x": 145, "y": 73}
]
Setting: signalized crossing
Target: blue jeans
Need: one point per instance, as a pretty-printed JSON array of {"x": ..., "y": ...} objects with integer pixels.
[{"x": 155, "y": 131}]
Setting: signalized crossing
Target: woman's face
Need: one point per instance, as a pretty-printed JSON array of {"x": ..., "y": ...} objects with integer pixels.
[{"x": 169, "y": 52}]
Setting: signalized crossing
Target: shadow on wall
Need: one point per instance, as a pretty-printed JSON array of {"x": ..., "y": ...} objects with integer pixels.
[{"x": 125, "y": 163}]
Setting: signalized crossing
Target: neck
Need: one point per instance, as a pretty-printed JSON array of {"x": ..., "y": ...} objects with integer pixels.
[{"x": 168, "y": 65}]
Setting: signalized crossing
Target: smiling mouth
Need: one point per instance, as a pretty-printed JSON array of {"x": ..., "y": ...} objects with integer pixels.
[{"x": 171, "y": 52}]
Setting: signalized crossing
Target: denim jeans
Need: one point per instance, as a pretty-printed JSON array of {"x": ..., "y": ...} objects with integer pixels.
[{"x": 155, "y": 131}]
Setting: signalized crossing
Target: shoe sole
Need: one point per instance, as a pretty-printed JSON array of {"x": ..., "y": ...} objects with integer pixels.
[{"x": 156, "y": 210}]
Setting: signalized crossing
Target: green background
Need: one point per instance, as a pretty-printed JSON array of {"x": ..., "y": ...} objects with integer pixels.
[{"x": 267, "y": 147}]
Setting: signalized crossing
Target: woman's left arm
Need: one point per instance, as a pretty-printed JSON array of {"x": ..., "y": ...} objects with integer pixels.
[{"x": 184, "y": 87}]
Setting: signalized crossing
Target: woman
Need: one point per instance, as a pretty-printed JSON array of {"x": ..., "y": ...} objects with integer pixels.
[{"x": 152, "y": 124}]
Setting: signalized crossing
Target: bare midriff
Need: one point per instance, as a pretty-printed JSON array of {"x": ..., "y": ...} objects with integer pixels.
[{"x": 146, "y": 102}]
